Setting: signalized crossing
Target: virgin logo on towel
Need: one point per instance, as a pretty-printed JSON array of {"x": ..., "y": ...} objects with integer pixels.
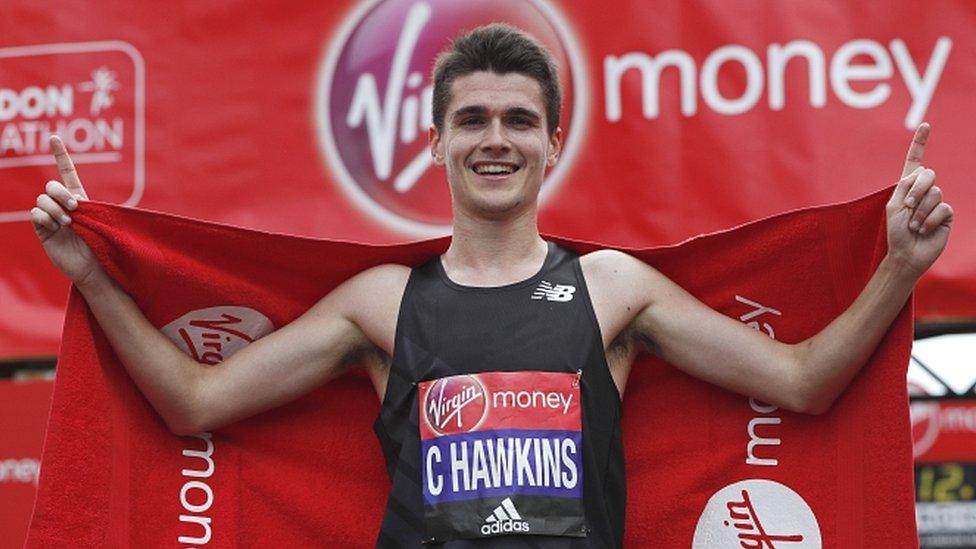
[
  {"x": 760, "y": 514},
  {"x": 373, "y": 104},
  {"x": 211, "y": 335},
  {"x": 455, "y": 404}
]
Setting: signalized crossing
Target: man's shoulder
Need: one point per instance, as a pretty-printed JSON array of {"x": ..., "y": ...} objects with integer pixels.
[
  {"x": 385, "y": 273},
  {"x": 620, "y": 280},
  {"x": 607, "y": 264},
  {"x": 376, "y": 290},
  {"x": 371, "y": 300},
  {"x": 385, "y": 279}
]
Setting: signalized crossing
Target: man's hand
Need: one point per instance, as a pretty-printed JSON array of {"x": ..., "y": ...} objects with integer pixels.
[
  {"x": 918, "y": 219},
  {"x": 50, "y": 218}
]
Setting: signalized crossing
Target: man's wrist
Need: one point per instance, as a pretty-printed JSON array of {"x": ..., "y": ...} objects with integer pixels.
[
  {"x": 899, "y": 269},
  {"x": 94, "y": 283}
]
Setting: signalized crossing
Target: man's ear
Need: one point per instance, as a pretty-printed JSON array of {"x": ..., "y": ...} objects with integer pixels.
[
  {"x": 555, "y": 147},
  {"x": 436, "y": 147}
]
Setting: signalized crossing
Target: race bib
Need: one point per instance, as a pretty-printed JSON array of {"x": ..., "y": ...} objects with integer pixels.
[{"x": 501, "y": 454}]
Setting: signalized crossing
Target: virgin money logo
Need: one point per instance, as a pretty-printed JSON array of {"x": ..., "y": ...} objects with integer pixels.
[
  {"x": 373, "y": 101},
  {"x": 213, "y": 334},
  {"x": 757, "y": 513},
  {"x": 455, "y": 404}
]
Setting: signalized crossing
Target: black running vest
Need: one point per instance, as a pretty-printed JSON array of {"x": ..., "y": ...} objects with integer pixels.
[{"x": 500, "y": 425}]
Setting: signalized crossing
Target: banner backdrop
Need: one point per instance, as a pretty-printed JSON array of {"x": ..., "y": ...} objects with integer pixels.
[
  {"x": 311, "y": 118},
  {"x": 706, "y": 468},
  {"x": 23, "y": 416}
]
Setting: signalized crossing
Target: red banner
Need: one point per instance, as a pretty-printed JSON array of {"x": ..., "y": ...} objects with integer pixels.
[
  {"x": 23, "y": 409},
  {"x": 679, "y": 119}
]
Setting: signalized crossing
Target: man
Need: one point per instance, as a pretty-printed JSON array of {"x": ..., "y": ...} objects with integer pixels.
[{"x": 465, "y": 326}]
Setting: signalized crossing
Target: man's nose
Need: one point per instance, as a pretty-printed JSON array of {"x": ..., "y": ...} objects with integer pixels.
[{"x": 496, "y": 138}]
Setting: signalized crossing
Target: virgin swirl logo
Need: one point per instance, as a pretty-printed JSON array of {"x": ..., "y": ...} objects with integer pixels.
[
  {"x": 373, "y": 101},
  {"x": 757, "y": 514},
  {"x": 455, "y": 404},
  {"x": 211, "y": 335}
]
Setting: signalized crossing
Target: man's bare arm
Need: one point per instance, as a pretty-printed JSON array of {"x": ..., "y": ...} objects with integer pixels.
[
  {"x": 804, "y": 377},
  {"x": 807, "y": 376},
  {"x": 271, "y": 371}
]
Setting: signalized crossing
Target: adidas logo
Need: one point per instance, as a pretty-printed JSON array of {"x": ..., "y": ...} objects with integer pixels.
[
  {"x": 505, "y": 519},
  {"x": 554, "y": 292}
]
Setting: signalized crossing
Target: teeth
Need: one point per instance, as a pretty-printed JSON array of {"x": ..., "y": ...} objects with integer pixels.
[{"x": 485, "y": 169}]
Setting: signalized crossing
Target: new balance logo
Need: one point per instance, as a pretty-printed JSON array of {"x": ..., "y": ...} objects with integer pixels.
[
  {"x": 505, "y": 519},
  {"x": 554, "y": 292}
]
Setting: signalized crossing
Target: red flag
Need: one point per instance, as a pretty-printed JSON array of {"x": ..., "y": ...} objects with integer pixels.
[{"x": 706, "y": 467}]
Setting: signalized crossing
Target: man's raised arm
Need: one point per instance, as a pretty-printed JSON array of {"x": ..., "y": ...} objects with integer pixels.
[
  {"x": 271, "y": 371},
  {"x": 807, "y": 376}
]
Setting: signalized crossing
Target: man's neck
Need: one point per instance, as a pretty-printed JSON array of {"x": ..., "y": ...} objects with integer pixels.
[{"x": 488, "y": 252}]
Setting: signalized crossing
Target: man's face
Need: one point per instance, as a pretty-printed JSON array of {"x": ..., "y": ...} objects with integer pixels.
[{"x": 494, "y": 144}]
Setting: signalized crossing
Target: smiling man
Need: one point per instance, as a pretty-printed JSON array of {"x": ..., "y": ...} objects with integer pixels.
[{"x": 503, "y": 360}]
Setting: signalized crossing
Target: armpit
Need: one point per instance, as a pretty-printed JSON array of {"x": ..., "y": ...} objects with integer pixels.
[
  {"x": 376, "y": 363},
  {"x": 621, "y": 355}
]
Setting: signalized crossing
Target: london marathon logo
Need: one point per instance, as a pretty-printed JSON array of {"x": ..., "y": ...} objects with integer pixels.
[
  {"x": 373, "y": 101},
  {"x": 92, "y": 95}
]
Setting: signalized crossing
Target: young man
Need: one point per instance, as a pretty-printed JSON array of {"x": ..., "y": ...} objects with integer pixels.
[{"x": 475, "y": 319}]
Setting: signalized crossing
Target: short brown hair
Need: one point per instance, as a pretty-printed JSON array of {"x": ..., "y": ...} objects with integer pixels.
[{"x": 501, "y": 49}]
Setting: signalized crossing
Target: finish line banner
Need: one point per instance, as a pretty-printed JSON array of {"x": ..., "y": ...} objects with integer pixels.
[
  {"x": 705, "y": 467},
  {"x": 679, "y": 118}
]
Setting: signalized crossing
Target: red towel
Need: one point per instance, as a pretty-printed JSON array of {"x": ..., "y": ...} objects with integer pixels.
[{"x": 703, "y": 464}]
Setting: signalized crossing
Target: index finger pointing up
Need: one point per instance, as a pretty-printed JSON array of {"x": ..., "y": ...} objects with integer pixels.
[
  {"x": 67, "y": 168},
  {"x": 916, "y": 150}
]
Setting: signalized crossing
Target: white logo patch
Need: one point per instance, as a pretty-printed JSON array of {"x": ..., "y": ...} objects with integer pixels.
[
  {"x": 554, "y": 292},
  {"x": 211, "y": 335},
  {"x": 757, "y": 513}
]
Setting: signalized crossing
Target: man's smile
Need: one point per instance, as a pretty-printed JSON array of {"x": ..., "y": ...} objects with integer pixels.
[{"x": 494, "y": 168}]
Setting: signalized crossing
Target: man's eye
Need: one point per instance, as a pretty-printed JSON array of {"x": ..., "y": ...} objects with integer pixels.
[
  {"x": 520, "y": 121},
  {"x": 471, "y": 122}
]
